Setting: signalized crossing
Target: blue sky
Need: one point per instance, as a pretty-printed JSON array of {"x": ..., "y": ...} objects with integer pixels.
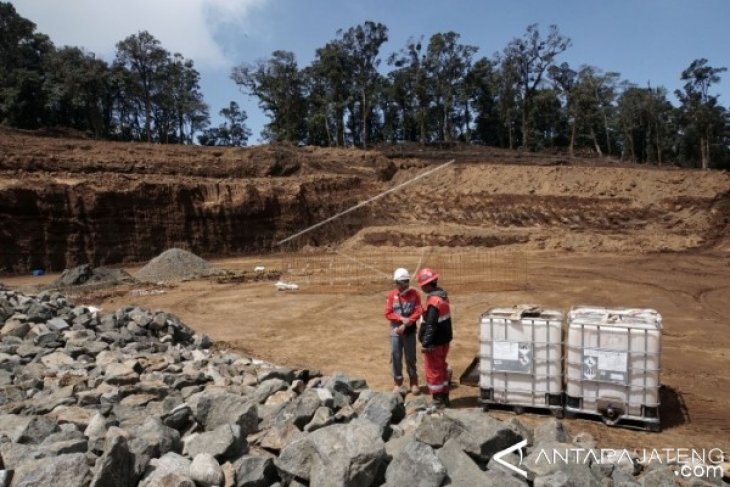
[{"x": 647, "y": 41}]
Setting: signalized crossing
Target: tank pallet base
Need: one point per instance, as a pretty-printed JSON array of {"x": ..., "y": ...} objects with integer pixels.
[
  {"x": 628, "y": 422},
  {"x": 648, "y": 421},
  {"x": 553, "y": 404}
]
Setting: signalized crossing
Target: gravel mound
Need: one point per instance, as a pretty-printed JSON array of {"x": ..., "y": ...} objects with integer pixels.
[
  {"x": 175, "y": 264},
  {"x": 85, "y": 274}
]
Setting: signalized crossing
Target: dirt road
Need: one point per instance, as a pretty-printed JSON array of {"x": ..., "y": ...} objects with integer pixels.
[{"x": 347, "y": 331}]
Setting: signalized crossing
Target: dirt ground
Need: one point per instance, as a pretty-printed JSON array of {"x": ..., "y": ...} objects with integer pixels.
[{"x": 347, "y": 331}]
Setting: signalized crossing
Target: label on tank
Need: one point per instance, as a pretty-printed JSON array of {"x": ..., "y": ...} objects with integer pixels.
[
  {"x": 512, "y": 356},
  {"x": 605, "y": 365}
]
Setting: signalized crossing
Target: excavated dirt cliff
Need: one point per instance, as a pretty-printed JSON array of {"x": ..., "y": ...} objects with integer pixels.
[
  {"x": 66, "y": 201},
  {"x": 575, "y": 208}
]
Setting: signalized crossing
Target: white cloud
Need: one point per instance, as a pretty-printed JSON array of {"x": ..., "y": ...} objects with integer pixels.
[{"x": 184, "y": 26}]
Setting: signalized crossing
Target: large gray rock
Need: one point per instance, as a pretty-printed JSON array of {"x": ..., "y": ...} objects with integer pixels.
[
  {"x": 295, "y": 460},
  {"x": 12, "y": 394},
  {"x": 171, "y": 479},
  {"x": 26, "y": 429},
  {"x": 214, "y": 409},
  {"x": 557, "y": 479},
  {"x": 416, "y": 464},
  {"x": 179, "y": 418},
  {"x": 660, "y": 477},
  {"x": 171, "y": 467},
  {"x": 66, "y": 470},
  {"x": 16, "y": 454},
  {"x": 205, "y": 471},
  {"x": 503, "y": 479},
  {"x": 435, "y": 430},
  {"x": 269, "y": 387},
  {"x": 78, "y": 416},
  {"x": 547, "y": 459},
  {"x": 68, "y": 433},
  {"x": 382, "y": 409},
  {"x": 299, "y": 411},
  {"x": 283, "y": 373},
  {"x": 279, "y": 436},
  {"x": 66, "y": 446},
  {"x": 254, "y": 471},
  {"x": 122, "y": 373},
  {"x": 623, "y": 479},
  {"x": 96, "y": 432},
  {"x": 540, "y": 461},
  {"x": 461, "y": 469},
  {"x": 15, "y": 327},
  {"x": 584, "y": 475},
  {"x": 116, "y": 467},
  {"x": 349, "y": 454},
  {"x": 322, "y": 417},
  {"x": 483, "y": 436},
  {"x": 415, "y": 404},
  {"x": 340, "y": 454},
  {"x": 57, "y": 360},
  {"x": 325, "y": 396},
  {"x": 38, "y": 312},
  {"x": 152, "y": 440},
  {"x": 394, "y": 445},
  {"x": 342, "y": 392},
  {"x": 224, "y": 443},
  {"x": 551, "y": 431}
]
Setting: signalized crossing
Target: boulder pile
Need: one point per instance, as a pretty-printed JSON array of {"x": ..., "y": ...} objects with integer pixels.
[
  {"x": 86, "y": 274},
  {"x": 135, "y": 397}
]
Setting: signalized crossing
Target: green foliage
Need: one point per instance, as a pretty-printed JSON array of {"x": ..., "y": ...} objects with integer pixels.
[
  {"x": 528, "y": 59},
  {"x": 447, "y": 64},
  {"x": 23, "y": 53},
  {"x": 279, "y": 85},
  {"x": 232, "y": 132},
  {"x": 158, "y": 96},
  {"x": 701, "y": 114},
  {"x": 432, "y": 92},
  {"x": 146, "y": 94}
]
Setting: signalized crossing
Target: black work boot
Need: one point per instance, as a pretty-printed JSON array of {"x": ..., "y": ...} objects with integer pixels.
[{"x": 440, "y": 400}]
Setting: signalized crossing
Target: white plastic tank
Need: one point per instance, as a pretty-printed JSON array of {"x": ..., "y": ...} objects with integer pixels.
[
  {"x": 520, "y": 358},
  {"x": 613, "y": 363}
]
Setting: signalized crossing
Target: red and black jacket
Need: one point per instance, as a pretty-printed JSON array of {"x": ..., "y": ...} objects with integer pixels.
[{"x": 436, "y": 327}]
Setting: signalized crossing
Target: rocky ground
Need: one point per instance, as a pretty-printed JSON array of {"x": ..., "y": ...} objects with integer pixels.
[{"x": 135, "y": 397}]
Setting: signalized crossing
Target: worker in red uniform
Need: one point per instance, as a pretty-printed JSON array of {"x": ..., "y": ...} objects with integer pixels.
[
  {"x": 402, "y": 309},
  {"x": 435, "y": 335}
]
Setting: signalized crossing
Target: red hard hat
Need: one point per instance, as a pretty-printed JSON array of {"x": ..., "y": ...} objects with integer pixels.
[{"x": 425, "y": 276}]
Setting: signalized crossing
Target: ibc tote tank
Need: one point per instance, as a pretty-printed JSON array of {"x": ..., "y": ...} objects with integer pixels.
[
  {"x": 613, "y": 365},
  {"x": 521, "y": 359}
]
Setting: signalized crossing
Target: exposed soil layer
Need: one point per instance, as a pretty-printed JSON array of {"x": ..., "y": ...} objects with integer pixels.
[
  {"x": 66, "y": 202},
  {"x": 69, "y": 202}
]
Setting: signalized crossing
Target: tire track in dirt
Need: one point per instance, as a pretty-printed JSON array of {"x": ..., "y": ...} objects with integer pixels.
[{"x": 716, "y": 301}]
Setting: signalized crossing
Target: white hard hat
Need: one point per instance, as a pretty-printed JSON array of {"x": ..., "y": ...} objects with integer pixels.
[{"x": 401, "y": 274}]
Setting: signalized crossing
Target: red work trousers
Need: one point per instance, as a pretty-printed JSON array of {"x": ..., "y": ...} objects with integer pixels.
[{"x": 437, "y": 370}]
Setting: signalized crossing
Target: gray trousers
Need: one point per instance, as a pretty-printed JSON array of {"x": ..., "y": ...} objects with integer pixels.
[{"x": 399, "y": 346}]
